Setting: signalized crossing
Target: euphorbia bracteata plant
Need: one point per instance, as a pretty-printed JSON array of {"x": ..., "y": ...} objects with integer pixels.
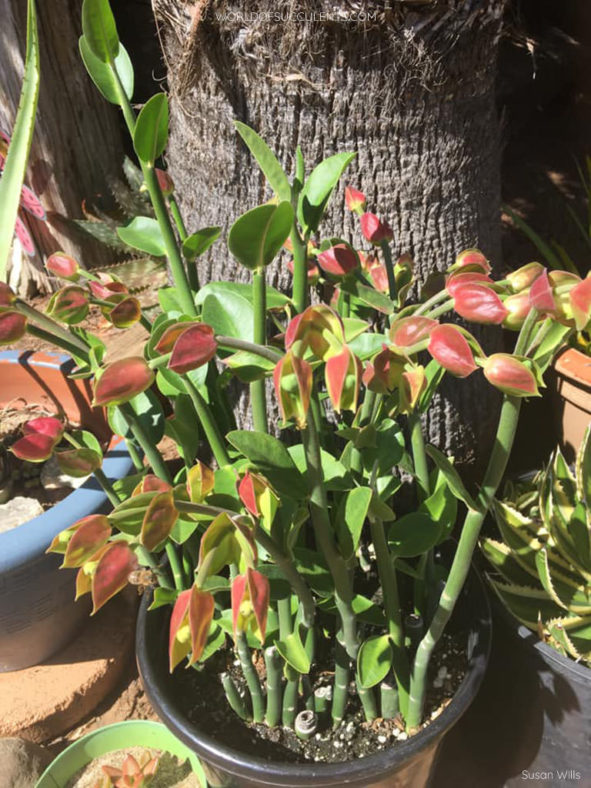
[{"x": 261, "y": 541}]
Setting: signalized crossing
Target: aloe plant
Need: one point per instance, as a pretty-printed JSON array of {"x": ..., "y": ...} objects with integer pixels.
[{"x": 542, "y": 566}]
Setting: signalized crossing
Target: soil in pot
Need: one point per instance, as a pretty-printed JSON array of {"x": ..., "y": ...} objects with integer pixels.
[
  {"x": 172, "y": 772},
  {"x": 201, "y": 698}
]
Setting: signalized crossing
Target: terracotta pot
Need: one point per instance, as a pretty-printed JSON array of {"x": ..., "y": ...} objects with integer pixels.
[
  {"x": 408, "y": 764},
  {"x": 38, "y": 615},
  {"x": 571, "y": 387}
]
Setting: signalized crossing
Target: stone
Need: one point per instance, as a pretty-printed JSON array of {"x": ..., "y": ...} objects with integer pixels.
[
  {"x": 17, "y": 511},
  {"x": 23, "y": 762},
  {"x": 53, "y": 479}
]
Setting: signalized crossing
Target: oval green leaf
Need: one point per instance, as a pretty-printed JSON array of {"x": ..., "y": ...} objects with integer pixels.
[
  {"x": 199, "y": 242},
  {"x": 143, "y": 233},
  {"x": 318, "y": 189},
  {"x": 412, "y": 535},
  {"x": 374, "y": 660},
  {"x": 151, "y": 129},
  {"x": 266, "y": 160},
  {"x": 293, "y": 652},
  {"x": 102, "y": 74},
  {"x": 258, "y": 235},
  {"x": 100, "y": 30}
]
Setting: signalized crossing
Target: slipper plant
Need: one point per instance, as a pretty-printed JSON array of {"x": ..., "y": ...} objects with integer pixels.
[{"x": 292, "y": 541}]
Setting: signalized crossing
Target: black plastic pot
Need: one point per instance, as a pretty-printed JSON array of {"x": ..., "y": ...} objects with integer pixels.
[{"x": 407, "y": 765}]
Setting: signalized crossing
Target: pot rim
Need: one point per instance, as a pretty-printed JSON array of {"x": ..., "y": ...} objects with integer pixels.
[
  {"x": 335, "y": 774},
  {"x": 109, "y": 738},
  {"x": 27, "y": 541},
  {"x": 574, "y": 365}
]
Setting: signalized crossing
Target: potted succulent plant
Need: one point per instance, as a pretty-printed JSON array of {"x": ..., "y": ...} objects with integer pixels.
[
  {"x": 541, "y": 573},
  {"x": 37, "y": 612}
]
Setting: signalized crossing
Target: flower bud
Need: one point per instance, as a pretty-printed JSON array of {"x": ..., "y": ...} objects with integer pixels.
[
  {"x": 121, "y": 381},
  {"x": 460, "y": 278},
  {"x": 384, "y": 373},
  {"x": 523, "y": 277},
  {"x": 518, "y": 307},
  {"x": 318, "y": 327},
  {"x": 62, "y": 265},
  {"x": 258, "y": 496},
  {"x": 580, "y": 301},
  {"x": 471, "y": 260},
  {"x": 69, "y": 305},
  {"x": 511, "y": 375},
  {"x": 164, "y": 181},
  {"x": 150, "y": 483},
  {"x": 292, "y": 378},
  {"x": 479, "y": 304},
  {"x": 354, "y": 199},
  {"x": 190, "y": 621},
  {"x": 541, "y": 296},
  {"x": 343, "y": 376},
  {"x": 250, "y": 603},
  {"x": 408, "y": 331},
  {"x": 412, "y": 386},
  {"x": 7, "y": 295},
  {"x": 86, "y": 537},
  {"x": 40, "y": 437},
  {"x": 339, "y": 260},
  {"x": 374, "y": 230},
  {"x": 192, "y": 345},
  {"x": 13, "y": 326},
  {"x": 450, "y": 348}
]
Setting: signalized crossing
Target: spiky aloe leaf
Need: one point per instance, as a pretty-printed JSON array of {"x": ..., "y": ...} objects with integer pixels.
[
  {"x": 526, "y": 603},
  {"x": 131, "y": 203},
  {"x": 567, "y": 527},
  {"x": 501, "y": 557},
  {"x": 101, "y": 232},
  {"x": 572, "y": 636},
  {"x": 133, "y": 174},
  {"x": 583, "y": 469},
  {"x": 576, "y": 599},
  {"x": 519, "y": 534}
]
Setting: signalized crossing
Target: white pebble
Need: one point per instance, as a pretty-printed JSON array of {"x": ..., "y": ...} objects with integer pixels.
[
  {"x": 396, "y": 733},
  {"x": 442, "y": 672},
  {"x": 438, "y": 683},
  {"x": 382, "y": 739},
  {"x": 403, "y": 735},
  {"x": 337, "y": 744}
]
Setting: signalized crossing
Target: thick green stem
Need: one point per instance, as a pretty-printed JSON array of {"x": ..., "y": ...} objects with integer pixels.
[
  {"x": 432, "y": 302},
  {"x": 325, "y": 541},
  {"x": 252, "y": 679},
  {"x": 419, "y": 454},
  {"x": 368, "y": 700},
  {"x": 175, "y": 566},
  {"x": 389, "y": 584},
  {"x": 389, "y": 707},
  {"x": 134, "y": 454},
  {"x": 289, "y": 707},
  {"x": 364, "y": 418},
  {"x": 273, "y": 666},
  {"x": 208, "y": 424},
  {"x": 231, "y": 343},
  {"x": 385, "y": 247},
  {"x": 235, "y": 701},
  {"x": 178, "y": 218},
  {"x": 300, "y": 270},
  {"x": 152, "y": 454},
  {"x": 257, "y": 387},
  {"x": 340, "y": 690},
  {"x": 62, "y": 343},
  {"x": 146, "y": 559},
  {"x": 447, "y": 306},
  {"x": 53, "y": 328}
]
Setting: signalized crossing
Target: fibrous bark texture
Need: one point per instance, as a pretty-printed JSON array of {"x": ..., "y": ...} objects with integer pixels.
[
  {"x": 408, "y": 86},
  {"x": 77, "y": 140}
]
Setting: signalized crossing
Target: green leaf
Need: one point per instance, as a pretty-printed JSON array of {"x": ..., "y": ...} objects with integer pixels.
[
  {"x": 143, "y": 233},
  {"x": 583, "y": 469},
  {"x": 229, "y": 315},
  {"x": 293, "y": 652},
  {"x": 182, "y": 530},
  {"x": 168, "y": 299},
  {"x": 367, "y": 295},
  {"x": 249, "y": 366},
  {"x": 102, "y": 73},
  {"x": 452, "y": 477},
  {"x": 318, "y": 188},
  {"x": 501, "y": 558},
  {"x": 182, "y": 428},
  {"x": 162, "y": 597},
  {"x": 553, "y": 340},
  {"x": 149, "y": 412},
  {"x": 100, "y": 30},
  {"x": 15, "y": 165},
  {"x": 215, "y": 640},
  {"x": 441, "y": 505},
  {"x": 151, "y": 129},
  {"x": 374, "y": 660},
  {"x": 412, "y": 535},
  {"x": 367, "y": 345},
  {"x": 336, "y": 476},
  {"x": 266, "y": 160},
  {"x": 272, "y": 459},
  {"x": 312, "y": 566},
  {"x": 525, "y": 603},
  {"x": 275, "y": 299},
  {"x": 388, "y": 447},
  {"x": 258, "y": 235},
  {"x": 199, "y": 242},
  {"x": 351, "y": 516}
]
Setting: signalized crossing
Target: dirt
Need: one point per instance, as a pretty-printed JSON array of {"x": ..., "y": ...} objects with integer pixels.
[
  {"x": 203, "y": 701},
  {"x": 171, "y": 772}
]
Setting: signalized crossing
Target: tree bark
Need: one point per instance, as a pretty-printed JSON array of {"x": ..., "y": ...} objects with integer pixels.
[
  {"x": 409, "y": 89},
  {"x": 77, "y": 142}
]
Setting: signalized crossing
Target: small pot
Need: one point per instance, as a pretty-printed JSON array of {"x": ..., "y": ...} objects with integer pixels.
[
  {"x": 38, "y": 615},
  {"x": 571, "y": 385},
  {"x": 406, "y": 765},
  {"x": 133, "y": 733}
]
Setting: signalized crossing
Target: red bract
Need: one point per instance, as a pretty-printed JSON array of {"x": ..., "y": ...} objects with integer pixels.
[
  {"x": 343, "y": 376},
  {"x": 385, "y": 371},
  {"x": 121, "y": 381},
  {"x": 354, "y": 199},
  {"x": 409, "y": 330},
  {"x": 150, "y": 483},
  {"x": 200, "y": 482},
  {"x": 318, "y": 327},
  {"x": 511, "y": 375},
  {"x": 292, "y": 378},
  {"x": 125, "y": 313},
  {"x": 460, "y": 278},
  {"x": 524, "y": 276},
  {"x": 258, "y": 496},
  {"x": 62, "y": 265},
  {"x": 7, "y": 295},
  {"x": 580, "y": 300},
  {"x": 472, "y": 259},
  {"x": 479, "y": 304},
  {"x": 518, "y": 307},
  {"x": 412, "y": 385},
  {"x": 179, "y": 631},
  {"x": 40, "y": 438},
  {"x": 191, "y": 344},
  {"x": 191, "y": 618},
  {"x": 450, "y": 348},
  {"x": 45, "y": 425},
  {"x": 69, "y": 305},
  {"x": 201, "y": 610},
  {"x": 250, "y": 603},
  {"x": 541, "y": 296},
  {"x": 339, "y": 260},
  {"x": 374, "y": 230},
  {"x": 13, "y": 326},
  {"x": 159, "y": 519},
  {"x": 105, "y": 289},
  {"x": 111, "y": 573},
  {"x": 89, "y": 535},
  {"x": 164, "y": 181}
]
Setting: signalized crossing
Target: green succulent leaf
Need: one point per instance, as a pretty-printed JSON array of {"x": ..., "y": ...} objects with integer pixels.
[
  {"x": 266, "y": 160},
  {"x": 258, "y": 235},
  {"x": 350, "y": 517},
  {"x": 269, "y": 456},
  {"x": 143, "y": 233},
  {"x": 151, "y": 129},
  {"x": 99, "y": 29},
  {"x": 198, "y": 243},
  {"x": 293, "y": 652},
  {"x": 335, "y": 475},
  {"x": 229, "y": 314},
  {"x": 528, "y": 605},
  {"x": 452, "y": 477},
  {"x": 102, "y": 74},
  {"x": 501, "y": 558},
  {"x": 318, "y": 188},
  {"x": 412, "y": 535},
  {"x": 374, "y": 660},
  {"x": 583, "y": 469},
  {"x": 274, "y": 299},
  {"x": 149, "y": 411}
]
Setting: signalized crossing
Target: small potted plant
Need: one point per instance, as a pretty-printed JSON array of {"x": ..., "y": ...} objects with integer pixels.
[{"x": 541, "y": 573}]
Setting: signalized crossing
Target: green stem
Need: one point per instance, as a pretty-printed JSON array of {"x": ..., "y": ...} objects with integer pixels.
[
  {"x": 340, "y": 690},
  {"x": 178, "y": 218},
  {"x": 98, "y": 473},
  {"x": 419, "y": 454},
  {"x": 175, "y": 566},
  {"x": 235, "y": 701},
  {"x": 232, "y": 343},
  {"x": 208, "y": 424},
  {"x": 273, "y": 666},
  {"x": 59, "y": 341},
  {"x": 252, "y": 679},
  {"x": 257, "y": 387},
  {"x": 300, "y": 269},
  {"x": 152, "y": 454},
  {"x": 432, "y": 302},
  {"x": 134, "y": 454},
  {"x": 368, "y": 701},
  {"x": 385, "y": 247},
  {"x": 52, "y": 327},
  {"x": 389, "y": 584},
  {"x": 290, "y": 698},
  {"x": 146, "y": 559},
  {"x": 364, "y": 418},
  {"x": 389, "y": 707},
  {"x": 441, "y": 310},
  {"x": 324, "y": 536}
]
